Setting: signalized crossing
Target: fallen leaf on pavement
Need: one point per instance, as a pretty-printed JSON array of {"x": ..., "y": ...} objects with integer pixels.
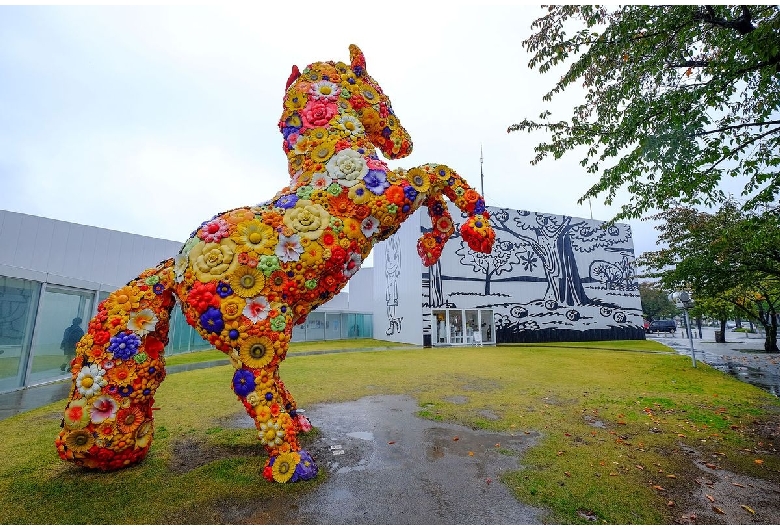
[
  {"x": 758, "y": 461},
  {"x": 390, "y": 443},
  {"x": 737, "y": 484},
  {"x": 659, "y": 488},
  {"x": 471, "y": 453},
  {"x": 748, "y": 509},
  {"x": 718, "y": 510},
  {"x": 455, "y": 439},
  {"x": 710, "y": 498}
]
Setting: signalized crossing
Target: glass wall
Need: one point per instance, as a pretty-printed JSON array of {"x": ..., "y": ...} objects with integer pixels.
[
  {"x": 63, "y": 314},
  {"x": 462, "y": 326},
  {"x": 322, "y": 325},
  {"x": 18, "y": 305},
  {"x": 181, "y": 336}
]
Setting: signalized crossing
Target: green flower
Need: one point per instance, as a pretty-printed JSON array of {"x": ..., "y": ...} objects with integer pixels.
[
  {"x": 151, "y": 280},
  {"x": 392, "y": 208},
  {"x": 140, "y": 358},
  {"x": 268, "y": 264},
  {"x": 334, "y": 189},
  {"x": 278, "y": 323},
  {"x": 311, "y": 284},
  {"x": 304, "y": 192},
  {"x": 459, "y": 191},
  {"x": 336, "y": 224}
]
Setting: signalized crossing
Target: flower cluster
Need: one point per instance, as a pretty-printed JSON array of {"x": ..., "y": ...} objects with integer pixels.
[{"x": 118, "y": 365}]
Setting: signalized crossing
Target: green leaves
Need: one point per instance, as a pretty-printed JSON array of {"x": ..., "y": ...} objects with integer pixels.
[{"x": 676, "y": 99}]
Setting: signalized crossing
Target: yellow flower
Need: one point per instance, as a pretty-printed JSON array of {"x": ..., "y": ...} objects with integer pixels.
[
  {"x": 352, "y": 229},
  {"x": 240, "y": 215},
  {"x": 323, "y": 152},
  {"x": 263, "y": 413},
  {"x": 77, "y": 414},
  {"x": 123, "y": 300},
  {"x": 319, "y": 134},
  {"x": 419, "y": 179},
  {"x": 80, "y": 441},
  {"x": 308, "y": 219},
  {"x": 232, "y": 307},
  {"x": 212, "y": 261},
  {"x": 264, "y": 381},
  {"x": 284, "y": 466},
  {"x": 271, "y": 433},
  {"x": 295, "y": 100},
  {"x": 247, "y": 281},
  {"x": 312, "y": 255},
  {"x": 359, "y": 194},
  {"x": 257, "y": 236},
  {"x": 143, "y": 436},
  {"x": 257, "y": 352}
]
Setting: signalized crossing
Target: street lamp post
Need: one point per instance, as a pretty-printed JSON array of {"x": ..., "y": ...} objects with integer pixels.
[{"x": 684, "y": 301}]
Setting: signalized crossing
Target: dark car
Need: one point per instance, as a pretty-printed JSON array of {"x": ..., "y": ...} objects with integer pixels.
[{"x": 662, "y": 326}]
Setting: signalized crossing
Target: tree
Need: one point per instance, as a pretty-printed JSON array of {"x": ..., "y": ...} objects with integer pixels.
[
  {"x": 722, "y": 255},
  {"x": 715, "y": 307},
  {"x": 499, "y": 261},
  {"x": 677, "y": 97},
  {"x": 655, "y": 301}
]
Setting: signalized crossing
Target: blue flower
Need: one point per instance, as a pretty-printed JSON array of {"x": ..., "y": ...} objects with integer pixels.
[
  {"x": 211, "y": 320},
  {"x": 376, "y": 181},
  {"x": 287, "y": 201},
  {"x": 479, "y": 207},
  {"x": 124, "y": 345},
  {"x": 224, "y": 290},
  {"x": 243, "y": 382},
  {"x": 410, "y": 193},
  {"x": 386, "y": 132},
  {"x": 158, "y": 288}
]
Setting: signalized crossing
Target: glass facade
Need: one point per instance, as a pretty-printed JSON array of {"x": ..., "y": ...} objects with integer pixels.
[
  {"x": 462, "y": 326},
  {"x": 321, "y": 325},
  {"x": 18, "y": 305}
]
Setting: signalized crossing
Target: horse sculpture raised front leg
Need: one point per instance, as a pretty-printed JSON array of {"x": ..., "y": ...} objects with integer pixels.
[{"x": 247, "y": 276}]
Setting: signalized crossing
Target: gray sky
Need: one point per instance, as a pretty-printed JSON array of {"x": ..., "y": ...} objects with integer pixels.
[{"x": 150, "y": 120}]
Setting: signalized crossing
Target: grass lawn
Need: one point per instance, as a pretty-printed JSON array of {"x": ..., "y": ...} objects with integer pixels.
[{"x": 615, "y": 419}]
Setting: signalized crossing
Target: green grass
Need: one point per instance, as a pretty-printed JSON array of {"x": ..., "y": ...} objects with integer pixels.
[
  {"x": 596, "y": 405},
  {"x": 295, "y": 348}
]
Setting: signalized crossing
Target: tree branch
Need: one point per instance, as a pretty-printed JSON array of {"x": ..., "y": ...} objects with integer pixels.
[
  {"x": 740, "y": 147},
  {"x": 729, "y": 127},
  {"x": 742, "y": 24}
]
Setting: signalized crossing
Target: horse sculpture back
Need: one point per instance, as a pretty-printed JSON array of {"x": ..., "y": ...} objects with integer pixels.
[{"x": 247, "y": 276}]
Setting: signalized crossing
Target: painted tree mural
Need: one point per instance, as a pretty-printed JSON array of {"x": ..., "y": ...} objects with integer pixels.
[{"x": 505, "y": 254}]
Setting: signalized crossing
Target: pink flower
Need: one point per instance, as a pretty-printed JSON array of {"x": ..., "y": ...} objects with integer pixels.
[
  {"x": 213, "y": 231},
  {"x": 103, "y": 408},
  {"x": 256, "y": 309},
  {"x": 289, "y": 248},
  {"x": 317, "y": 113},
  {"x": 352, "y": 265},
  {"x": 369, "y": 226},
  {"x": 374, "y": 163},
  {"x": 303, "y": 423}
]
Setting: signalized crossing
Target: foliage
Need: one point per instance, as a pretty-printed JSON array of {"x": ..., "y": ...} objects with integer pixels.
[
  {"x": 727, "y": 255},
  {"x": 677, "y": 97},
  {"x": 655, "y": 302}
]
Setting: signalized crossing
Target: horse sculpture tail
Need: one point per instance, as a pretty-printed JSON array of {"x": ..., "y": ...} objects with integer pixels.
[{"x": 118, "y": 366}]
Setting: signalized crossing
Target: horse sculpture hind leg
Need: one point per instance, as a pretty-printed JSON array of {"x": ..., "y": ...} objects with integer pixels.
[{"x": 108, "y": 421}]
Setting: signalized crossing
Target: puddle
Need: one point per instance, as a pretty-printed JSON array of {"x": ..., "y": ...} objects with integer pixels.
[{"x": 399, "y": 468}]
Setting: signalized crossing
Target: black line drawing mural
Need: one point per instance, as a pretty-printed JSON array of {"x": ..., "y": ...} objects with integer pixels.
[
  {"x": 534, "y": 279},
  {"x": 392, "y": 272}
]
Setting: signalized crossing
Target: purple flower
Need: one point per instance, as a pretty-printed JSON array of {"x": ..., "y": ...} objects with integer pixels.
[
  {"x": 224, "y": 290},
  {"x": 376, "y": 181},
  {"x": 287, "y": 201},
  {"x": 479, "y": 207},
  {"x": 158, "y": 289},
  {"x": 211, "y": 320},
  {"x": 306, "y": 468},
  {"x": 243, "y": 382},
  {"x": 386, "y": 132},
  {"x": 438, "y": 209},
  {"x": 124, "y": 345},
  {"x": 410, "y": 193}
]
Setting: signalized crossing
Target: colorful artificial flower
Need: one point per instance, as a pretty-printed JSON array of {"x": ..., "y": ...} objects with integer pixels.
[
  {"x": 257, "y": 352},
  {"x": 103, "y": 408},
  {"x": 142, "y": 322},
  {"x": 212, "y": 321},
  {"x": 77, "y": 414},
  {"x": 257, "y": 309},
  {"x": 347, "y": 167},
  {"x": 128, "y": 419},
  {"x": 90, "y": 381},
  {"x": 284, "y": 466},
  {"x": 318, "y": 112},
  {"x": 80, "y": 441},
  {"x": 308, "y": 219},
  {"x": 248, "y": 281},
  {"x": 213, "y": 231},
  {"x": 211, "y": 261},
  {"x": 243, "y": 382},
  {"x": 271, "y": 434},
  {"x": 255, "y": 235},
  {"x": 289, "y": 248}
]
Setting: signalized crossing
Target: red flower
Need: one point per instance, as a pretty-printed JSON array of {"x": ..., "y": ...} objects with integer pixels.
[
  {"x": 318, "y": 113},
  {"x": 203, "y": 295},
  {"x": 153, "y": 346},
  {"x": 395, "y": 194}
]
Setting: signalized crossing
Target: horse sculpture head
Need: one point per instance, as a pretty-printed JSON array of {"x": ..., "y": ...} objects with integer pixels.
[{"x": 327, "y": 89}]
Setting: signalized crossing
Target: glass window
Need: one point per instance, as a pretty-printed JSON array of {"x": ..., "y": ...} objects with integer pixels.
[
  {"x": 315, "y": 326},
  {"x": 63, "y": 315},
  {"x": 439, "y": 323},
  {"x": 472, "y": 324},
  {"x": 487, "y": 326},
  {"x": 456, "y": 326},
  {"x": 18, "y": 304},
  {"x": 332, "y": 326}
]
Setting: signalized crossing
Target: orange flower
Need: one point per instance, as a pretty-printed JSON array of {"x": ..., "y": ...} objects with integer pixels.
[{"x": 127, "y": 420}]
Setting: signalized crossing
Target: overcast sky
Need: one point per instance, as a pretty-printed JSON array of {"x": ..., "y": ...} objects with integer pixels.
[{"x": 150, "y": 120}]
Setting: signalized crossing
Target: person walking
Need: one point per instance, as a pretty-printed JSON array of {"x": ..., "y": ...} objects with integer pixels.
[{"x": 70, "y": 338}]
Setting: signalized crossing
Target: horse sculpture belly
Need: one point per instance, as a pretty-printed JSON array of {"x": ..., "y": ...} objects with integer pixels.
[{"x": 247, "y": 276}]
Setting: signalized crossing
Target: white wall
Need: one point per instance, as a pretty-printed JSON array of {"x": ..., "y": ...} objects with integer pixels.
[{"x": 398, "y": 270}]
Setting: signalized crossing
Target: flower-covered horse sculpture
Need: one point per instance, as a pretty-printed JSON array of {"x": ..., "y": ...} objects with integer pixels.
[{"x": 247, "y": 276}]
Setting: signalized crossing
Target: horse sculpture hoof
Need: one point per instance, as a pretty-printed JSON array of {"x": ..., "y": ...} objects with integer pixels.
[{"x": 290, "y": 467}]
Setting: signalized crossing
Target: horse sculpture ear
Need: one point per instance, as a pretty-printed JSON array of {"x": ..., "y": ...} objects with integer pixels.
[
  {"x": 293, "y": 76},
  {"x": 357, "y": 60}
]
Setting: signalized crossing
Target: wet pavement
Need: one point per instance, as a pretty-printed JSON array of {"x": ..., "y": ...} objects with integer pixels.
[
  {"x": 742, "y": 356},
  {"x": 386, "y": 465}
]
